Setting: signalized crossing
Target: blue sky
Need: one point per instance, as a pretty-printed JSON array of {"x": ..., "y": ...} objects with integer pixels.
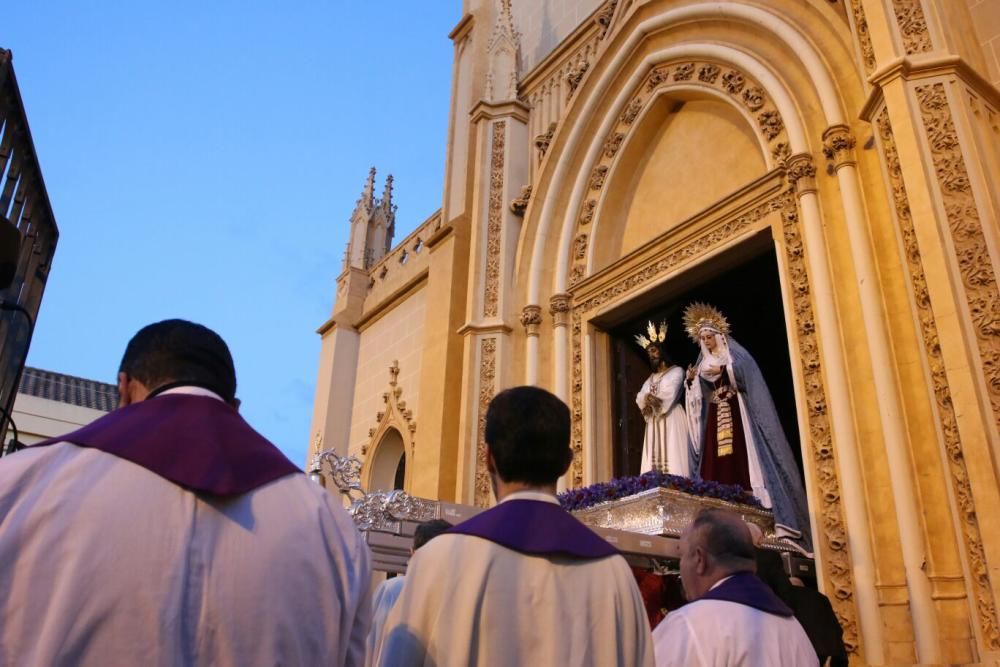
[{"x": 203, "y": 158}]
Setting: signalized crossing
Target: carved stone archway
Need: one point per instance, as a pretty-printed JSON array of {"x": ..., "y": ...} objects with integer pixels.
[{"x": 394, "y": 431}]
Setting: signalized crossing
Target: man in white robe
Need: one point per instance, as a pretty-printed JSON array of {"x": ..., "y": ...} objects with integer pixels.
[
  {"x": 388, "y": 591},
  {"x": 666, "y": 446},
  {"x": 735, "y": 619},
  {"x": 523, "y": 583},
  {"x": 170, "y": 533}
]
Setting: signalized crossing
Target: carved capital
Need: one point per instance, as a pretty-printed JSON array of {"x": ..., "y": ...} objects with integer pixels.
[
  {"x": 531, "y": 318},
  {"x": 520, "y": 204},
  {"x": 559, "y": 306},
  {"x": 838, "y": 145},
  {"x": 543, "y": 140},
  {"x": 801, "y": 173}
]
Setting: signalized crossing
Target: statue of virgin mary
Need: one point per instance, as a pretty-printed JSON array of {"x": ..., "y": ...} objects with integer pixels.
[{"x": 735, "y": 427}]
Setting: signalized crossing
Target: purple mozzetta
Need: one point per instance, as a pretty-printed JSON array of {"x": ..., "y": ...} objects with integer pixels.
[
  {"x": 536, "y": 528},
  {"x": 197, "y": 442},
  {"x": 745, "y": 588}
]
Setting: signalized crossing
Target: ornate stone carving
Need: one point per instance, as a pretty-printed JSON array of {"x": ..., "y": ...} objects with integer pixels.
[
  {"x": 836, "y": 561},
  {"x": 631, "y": 111},
  {"x": 733, "y": 82},
  {"x": 605, "y": 16},
  {"x": 597, "y": 177},
  {"x": 968, "y": 239},
  {"x": 543, "y": 140},
  {"x": 577, "y": 273},
  {"x": 494, "y": 221},
  {"x": 781, "y": 152},
  {"x": 587, "y": 214},
  {"x": 487, "y": 389},
  {"x": 531, "y": 319},
  {"x": 559, "y": 306},
  {"x": 574, "y": 77},
  {"x": 770, "y": 123},
  {"x": 394, "y": 411},
  {"x": 580, "y": 246},
  {"x": 684, "y": 72},
  {"x": 912, "y": 26},
  {"x": 961, "y": 487},
  {"x": 754, "y": 97},
  {"x": 864, "y": 38},
  {"x": 520, "y": 204},
  {"x": 613, "y": 143},
  {"x": 801, "y": 173},
  {"x": 838, "y": 145},
  {"x": 657, "y": 77},
  {"x": 709, "y": 73}
]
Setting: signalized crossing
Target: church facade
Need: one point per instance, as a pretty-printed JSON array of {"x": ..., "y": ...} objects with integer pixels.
[{"x": 825, "y": 171}]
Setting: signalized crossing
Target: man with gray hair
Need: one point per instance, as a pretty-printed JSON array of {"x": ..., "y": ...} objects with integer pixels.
[{"x": 733, "y": 618}]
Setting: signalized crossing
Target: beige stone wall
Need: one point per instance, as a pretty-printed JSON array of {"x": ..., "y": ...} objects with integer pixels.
[
  {"x": 986, "y": 18},
  {"x": 543, "y": 24},
  {"x": 396, "y": 336}
]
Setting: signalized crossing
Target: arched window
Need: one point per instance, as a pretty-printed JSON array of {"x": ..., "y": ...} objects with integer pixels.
[{"x": 388, "y": 469}]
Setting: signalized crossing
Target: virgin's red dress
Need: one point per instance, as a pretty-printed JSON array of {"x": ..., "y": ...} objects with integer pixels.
[{"x": 731, "y": 468}]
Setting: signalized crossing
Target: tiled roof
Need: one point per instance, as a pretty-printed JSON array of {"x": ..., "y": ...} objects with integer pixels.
[{"x": 69, "y": 389}]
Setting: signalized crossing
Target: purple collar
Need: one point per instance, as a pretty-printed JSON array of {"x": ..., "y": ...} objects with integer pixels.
[
  {"x": 536, "y": 528},
  {"x": 745, "y": 588},
  {"x": 196, "y": 442}
]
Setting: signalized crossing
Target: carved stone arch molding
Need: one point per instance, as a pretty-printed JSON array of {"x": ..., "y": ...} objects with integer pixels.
[
  {"x": 714, "y": 79},
  {"x": 394, "y": 415}
]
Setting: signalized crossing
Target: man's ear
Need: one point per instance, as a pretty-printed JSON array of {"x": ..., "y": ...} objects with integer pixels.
[
  {"x": 491, "y": 465},
  {"x": 700, "y": 560},
  {"x": 123, "y": 397}
]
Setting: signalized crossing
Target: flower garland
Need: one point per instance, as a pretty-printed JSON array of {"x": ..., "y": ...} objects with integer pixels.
[{"x": 578, "y": 499}]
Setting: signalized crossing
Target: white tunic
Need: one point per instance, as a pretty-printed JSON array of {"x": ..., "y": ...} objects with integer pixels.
[
  {"x": 103, "y": 562},
  {"x": 665, "y": 446},
  {"x": 717, "y": 633},
  {"x": 383, "y": 599},
  {"x": 469, "y": 601}
]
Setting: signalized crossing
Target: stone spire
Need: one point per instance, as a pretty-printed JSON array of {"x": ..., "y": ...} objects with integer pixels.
[
  {"x": 504, "y": 53},
  {"x": 373, "y": 224}
]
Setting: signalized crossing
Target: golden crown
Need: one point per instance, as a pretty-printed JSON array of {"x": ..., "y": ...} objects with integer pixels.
[
  {"x": 700, "y": 316},
  {"x": 656, "y": 335}
]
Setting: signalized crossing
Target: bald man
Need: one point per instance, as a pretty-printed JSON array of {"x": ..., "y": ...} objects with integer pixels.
[{"x": 734, "y": 619}]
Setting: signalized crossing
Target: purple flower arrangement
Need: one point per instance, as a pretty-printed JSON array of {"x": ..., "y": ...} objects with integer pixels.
[{"x": 578, "y": 499}]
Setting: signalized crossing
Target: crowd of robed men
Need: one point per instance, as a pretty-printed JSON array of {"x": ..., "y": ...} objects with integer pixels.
[{"x": 169, "y": 532}]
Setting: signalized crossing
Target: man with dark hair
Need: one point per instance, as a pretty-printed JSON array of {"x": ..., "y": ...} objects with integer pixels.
[
  {"x": 388, "y": 591},
  {"x": 733, "y": 619},
  {"x": 523, "y": 583},
  {"x": 169, "y": 532}
]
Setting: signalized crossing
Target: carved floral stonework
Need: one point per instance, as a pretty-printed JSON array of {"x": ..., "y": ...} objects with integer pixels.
[
  {"x": 733, "y": 82},
  {"x": 658, "y": 76},
  {"x": 709, "y": 73},
  {"x": 605, "y": 16},
  {"x": 754, "y": 97},
  {"x": 575, "y": 76},
  {"x": 613, "y": 143},
  {"x": 961, "y": 487},
  {"x": 487, "y": 389},
  {"x": 836, "y": 557},
  {"x": 393, "y": 412},
  {"x": 494, "y": 221},
  {"x": 587, "y": 214},
  {"x": 597, "y": 177},
  {"x": 838, "y": 145},
  {"x": 801, "y": 173},
  {"x": 770, "y": 123},
  {"x": 543, "y": 140},
  {"x": 631, "y": 111},
  {"x": 781, "y": 152},
  {"x": 580, "y": 246},
  {"x": 912, "y": 26},
  {"x": 968, "y": 239},
  {"x": 684, "y": 72},
  {"x": 864, "y": 38},
  {"x": 520, "y": 204},
  {"x": 531, "y": 319}
]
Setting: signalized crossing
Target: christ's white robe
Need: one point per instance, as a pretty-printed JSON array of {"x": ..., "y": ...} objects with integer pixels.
[
  {"x": 665, "y": 446},
  {"x": 470, "y": 601},
  {"x": 103, "y": 562},
  {"x": 383, "y": 599},
  {"x": 717, "y": 633}
]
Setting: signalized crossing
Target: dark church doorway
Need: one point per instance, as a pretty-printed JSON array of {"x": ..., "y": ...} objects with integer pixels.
[{"x": 748, "y": 292}]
